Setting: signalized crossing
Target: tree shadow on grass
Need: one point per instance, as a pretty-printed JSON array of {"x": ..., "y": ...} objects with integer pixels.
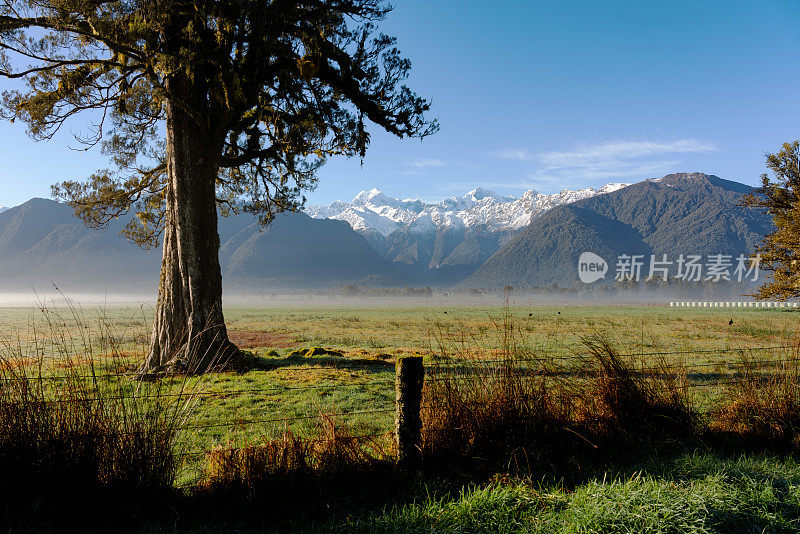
[{"x": 313, "y": 357}]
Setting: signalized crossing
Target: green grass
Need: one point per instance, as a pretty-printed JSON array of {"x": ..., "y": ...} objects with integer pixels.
[
  {"x": 694, "y": 494},
  {"x": 369, "y": 339},
  {"x": 408, "y": 329},
  {"x": 700, "y": 495}
]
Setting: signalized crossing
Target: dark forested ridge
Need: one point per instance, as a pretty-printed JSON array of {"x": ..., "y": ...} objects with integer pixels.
[
  {"x": 41, "y": 243},
  {"x": 297, "y": 251},
  {"x": 686, "y": 213}
]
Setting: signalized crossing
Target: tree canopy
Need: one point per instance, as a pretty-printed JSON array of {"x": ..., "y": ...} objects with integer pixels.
[
  {"x": 276, "y": 86},
  {"x": 780, "y": 197},
  {"x": 203, "y": 105}
]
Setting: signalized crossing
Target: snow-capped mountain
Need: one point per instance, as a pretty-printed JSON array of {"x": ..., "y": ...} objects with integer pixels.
[
  {"x": 3, "y": 208},
  {"x": 443, "y": 242},
  {"x": 373, "y": 211}
]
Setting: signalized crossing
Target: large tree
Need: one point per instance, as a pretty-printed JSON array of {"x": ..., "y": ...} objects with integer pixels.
[
  {"x": 203, "y": 106},
  {"x": 780, "y": 198}
]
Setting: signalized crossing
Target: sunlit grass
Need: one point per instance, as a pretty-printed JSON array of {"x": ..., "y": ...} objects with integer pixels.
[
  {"x": 240, "y": 408},
  {"x": 694, "y": 494}
]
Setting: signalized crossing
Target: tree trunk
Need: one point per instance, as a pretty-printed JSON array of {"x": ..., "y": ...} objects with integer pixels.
[{"x": 189, "y": 333}]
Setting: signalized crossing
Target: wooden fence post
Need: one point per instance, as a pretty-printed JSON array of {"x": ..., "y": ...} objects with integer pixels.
[{"x": 409, "y": 378}]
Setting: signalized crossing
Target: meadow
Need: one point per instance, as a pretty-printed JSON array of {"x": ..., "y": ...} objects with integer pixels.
[{"x": 316, "y": 364}]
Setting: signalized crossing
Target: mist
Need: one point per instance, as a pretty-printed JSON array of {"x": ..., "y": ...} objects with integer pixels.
[{"x": 351, "y": 297}]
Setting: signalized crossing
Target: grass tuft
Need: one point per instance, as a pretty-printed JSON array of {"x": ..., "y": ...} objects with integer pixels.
[
  {"x": 73, "y": 437},
  {"x": 290, "y": 469},
  {"x": 762, "y": 406},
  {"x": 631, "y": 402}
]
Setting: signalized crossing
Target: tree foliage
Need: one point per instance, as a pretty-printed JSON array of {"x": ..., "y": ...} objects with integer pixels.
[
  {"x": 273, "y": 88},
  {"x": 780, "y": 198}
]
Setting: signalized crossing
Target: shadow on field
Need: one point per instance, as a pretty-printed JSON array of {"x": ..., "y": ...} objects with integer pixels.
[{"x": 313, "y": 357}]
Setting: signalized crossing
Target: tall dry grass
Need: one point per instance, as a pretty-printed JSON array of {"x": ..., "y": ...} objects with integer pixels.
[
  {"x": 76, "y": 426},
  {"x": 511, "y": 410},
  {"x": 761, "y": 404},
  {"x": 523, "y": 411},
  {"x": 629, "y": 398},
  {"x": 333, "y": 449},
  {"x": 291, "y": 474}
]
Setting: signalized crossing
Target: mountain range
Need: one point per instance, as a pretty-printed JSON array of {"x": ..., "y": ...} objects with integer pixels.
[
  {"x": 480, "y": 240},
  {"x": 41, "y": 242},
  {"x": 443, "y": 242},
  {"x": 683, "y": 213}
]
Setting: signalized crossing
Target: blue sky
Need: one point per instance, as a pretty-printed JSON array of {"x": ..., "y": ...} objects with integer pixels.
[{"x": 551, "y": 95}]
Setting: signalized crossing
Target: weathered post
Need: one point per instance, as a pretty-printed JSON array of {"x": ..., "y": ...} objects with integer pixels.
[{"x": 409, "y": 378}]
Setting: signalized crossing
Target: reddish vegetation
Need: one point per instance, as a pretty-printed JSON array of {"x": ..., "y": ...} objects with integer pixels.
[
  {"x": 251, "y": 339},
  {"x": 763, "y": 406}
]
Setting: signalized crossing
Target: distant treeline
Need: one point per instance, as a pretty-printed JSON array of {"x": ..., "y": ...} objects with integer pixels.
[{"x": 620, "y": 288}]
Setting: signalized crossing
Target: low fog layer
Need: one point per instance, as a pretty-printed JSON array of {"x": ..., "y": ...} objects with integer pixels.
[{"x": 310, "y": 299}]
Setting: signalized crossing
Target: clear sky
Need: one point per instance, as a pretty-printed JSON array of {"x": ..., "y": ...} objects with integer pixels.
[{"x": 550, "y": 95}]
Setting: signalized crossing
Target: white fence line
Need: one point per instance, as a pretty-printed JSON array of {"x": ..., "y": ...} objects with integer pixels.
[{"x": 732, "y": 304}]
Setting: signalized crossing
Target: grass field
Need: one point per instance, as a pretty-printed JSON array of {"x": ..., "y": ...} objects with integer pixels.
[
  {"x": 360, "y": 378},
  {"x": 690, "y": 494},
  {"x": 395, "y": 330},
  {"x": 353, "y": 380}
]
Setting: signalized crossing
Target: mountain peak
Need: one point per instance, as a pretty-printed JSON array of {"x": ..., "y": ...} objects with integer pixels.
[
  {"x": 668, "y": 216},
  {"x": 610, "y": 188},
  {"x": 689, "y": 180},
  {"x": 373, "y": 196},
  {"x": 480, "y": 193},
  {"x": 684, "y": 178},
  {"x": 373, "y": 211}
]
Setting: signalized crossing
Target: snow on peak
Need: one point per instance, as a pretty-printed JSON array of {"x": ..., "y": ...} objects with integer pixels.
[
  {"x": 371, "y": 196},
  {"x": 480, "y": 193},
  {"x": 373, "y": 211},
  {"x": 610, "y": 188}
]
